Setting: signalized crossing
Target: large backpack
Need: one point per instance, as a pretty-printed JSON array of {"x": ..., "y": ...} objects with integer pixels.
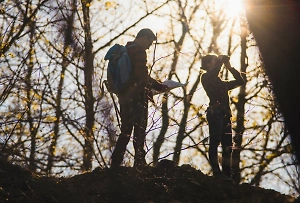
[{"x": 119, "y": 68}]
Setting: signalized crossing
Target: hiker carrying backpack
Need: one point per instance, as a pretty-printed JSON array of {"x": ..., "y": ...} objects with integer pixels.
[
  {"x": 119, "y": 68},
  {"x": 133, "y": 100}
]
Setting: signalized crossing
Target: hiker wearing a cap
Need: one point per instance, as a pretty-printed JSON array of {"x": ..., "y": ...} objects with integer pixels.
[
  {"x": 218, "y": 112},
  {"x": 134, "y": 101}
]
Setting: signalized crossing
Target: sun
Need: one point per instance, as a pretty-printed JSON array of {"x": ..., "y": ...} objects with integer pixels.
[{"x": 233, "y": 8}]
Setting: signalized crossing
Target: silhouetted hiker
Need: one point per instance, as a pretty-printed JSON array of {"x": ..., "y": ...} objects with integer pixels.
[
  {"x": 134, "y": 101},
  {"x": 218, "y": 112}
]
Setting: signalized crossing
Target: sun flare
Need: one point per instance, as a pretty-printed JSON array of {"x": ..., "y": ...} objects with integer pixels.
[{"x": 233, "y": 8}]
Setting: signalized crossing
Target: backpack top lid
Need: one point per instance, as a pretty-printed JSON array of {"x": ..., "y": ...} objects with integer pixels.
[{"x": 113, "y": 51}]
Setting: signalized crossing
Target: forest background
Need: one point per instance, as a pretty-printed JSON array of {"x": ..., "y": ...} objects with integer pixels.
[{"x": 57, "y": 118}]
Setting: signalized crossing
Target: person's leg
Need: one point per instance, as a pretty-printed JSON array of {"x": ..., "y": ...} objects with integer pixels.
[
  {"x": 126, "y": 129},
  {"x": 227, "y": 146},
  {"x": 215, "y": 129},
  {"x": 140, "y": 124}
]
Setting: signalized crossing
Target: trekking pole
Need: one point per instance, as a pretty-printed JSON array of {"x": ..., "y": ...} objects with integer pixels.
[
  {"x": 153, "y": 54},
  {"x": 114, "y": 102}
]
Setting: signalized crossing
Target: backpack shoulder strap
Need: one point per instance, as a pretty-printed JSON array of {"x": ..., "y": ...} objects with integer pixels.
[{"x": 132, "y": 45}]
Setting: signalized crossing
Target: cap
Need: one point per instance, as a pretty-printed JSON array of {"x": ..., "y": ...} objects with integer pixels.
[{"x": 146, "y": 32}]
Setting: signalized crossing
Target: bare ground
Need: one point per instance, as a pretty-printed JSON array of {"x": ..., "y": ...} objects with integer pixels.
[{"x": 165, "y": 183}]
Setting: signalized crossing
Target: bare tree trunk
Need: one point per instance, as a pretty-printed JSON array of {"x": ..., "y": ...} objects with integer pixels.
[
  {"x": 280, "y": 54},
  {"x": 161, "y": 137},
  {"x": 182, "y": 127},
  {"x": 240, "y": 106},
  {"x": 58, "y": 114},
  {"x": 182, "y": 130},
  {"x": 165, "y": 115},
  {"x": 88, "y": 88},
  {"x": 68, "y": 31},
  {"x": 33, "y": 128}
]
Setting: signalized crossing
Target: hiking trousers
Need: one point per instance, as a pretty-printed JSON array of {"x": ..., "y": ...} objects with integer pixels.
[
  {"x": 220, "y": 131},
  {"x": 134, "y": 114}
]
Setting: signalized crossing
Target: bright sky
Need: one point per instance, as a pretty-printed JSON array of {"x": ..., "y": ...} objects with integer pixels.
[{"x": 233, "y": 7}]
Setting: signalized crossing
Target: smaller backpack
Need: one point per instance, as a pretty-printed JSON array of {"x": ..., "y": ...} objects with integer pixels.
[{"x": 119, "y": 68}]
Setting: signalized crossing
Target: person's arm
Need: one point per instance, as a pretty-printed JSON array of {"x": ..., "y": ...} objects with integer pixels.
[
  {"x": 239, "y": 80},
  {"x": 156, "y": 85}
]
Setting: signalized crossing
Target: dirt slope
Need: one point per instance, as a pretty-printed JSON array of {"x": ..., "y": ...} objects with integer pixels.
[{"x": 165, "y": 183}]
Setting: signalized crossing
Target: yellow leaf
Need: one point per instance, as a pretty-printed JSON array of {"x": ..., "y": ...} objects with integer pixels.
[
  {"x": 50, "y": 119},
  {"x": 108, "y": 4},
  {"x": 35, "y": 107}
]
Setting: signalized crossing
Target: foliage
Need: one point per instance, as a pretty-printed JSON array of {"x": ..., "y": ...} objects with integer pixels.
[{"x": 58, "y": 119}]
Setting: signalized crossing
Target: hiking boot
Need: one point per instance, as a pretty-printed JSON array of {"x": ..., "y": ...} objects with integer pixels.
[{"x": 222, "y": 176}]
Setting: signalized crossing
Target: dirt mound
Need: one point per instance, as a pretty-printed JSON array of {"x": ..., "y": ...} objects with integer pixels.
[{"x": 165, "y": 183}]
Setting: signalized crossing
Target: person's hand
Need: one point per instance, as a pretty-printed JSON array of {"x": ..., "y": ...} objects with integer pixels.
[{"x": 225, "y": 60}]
